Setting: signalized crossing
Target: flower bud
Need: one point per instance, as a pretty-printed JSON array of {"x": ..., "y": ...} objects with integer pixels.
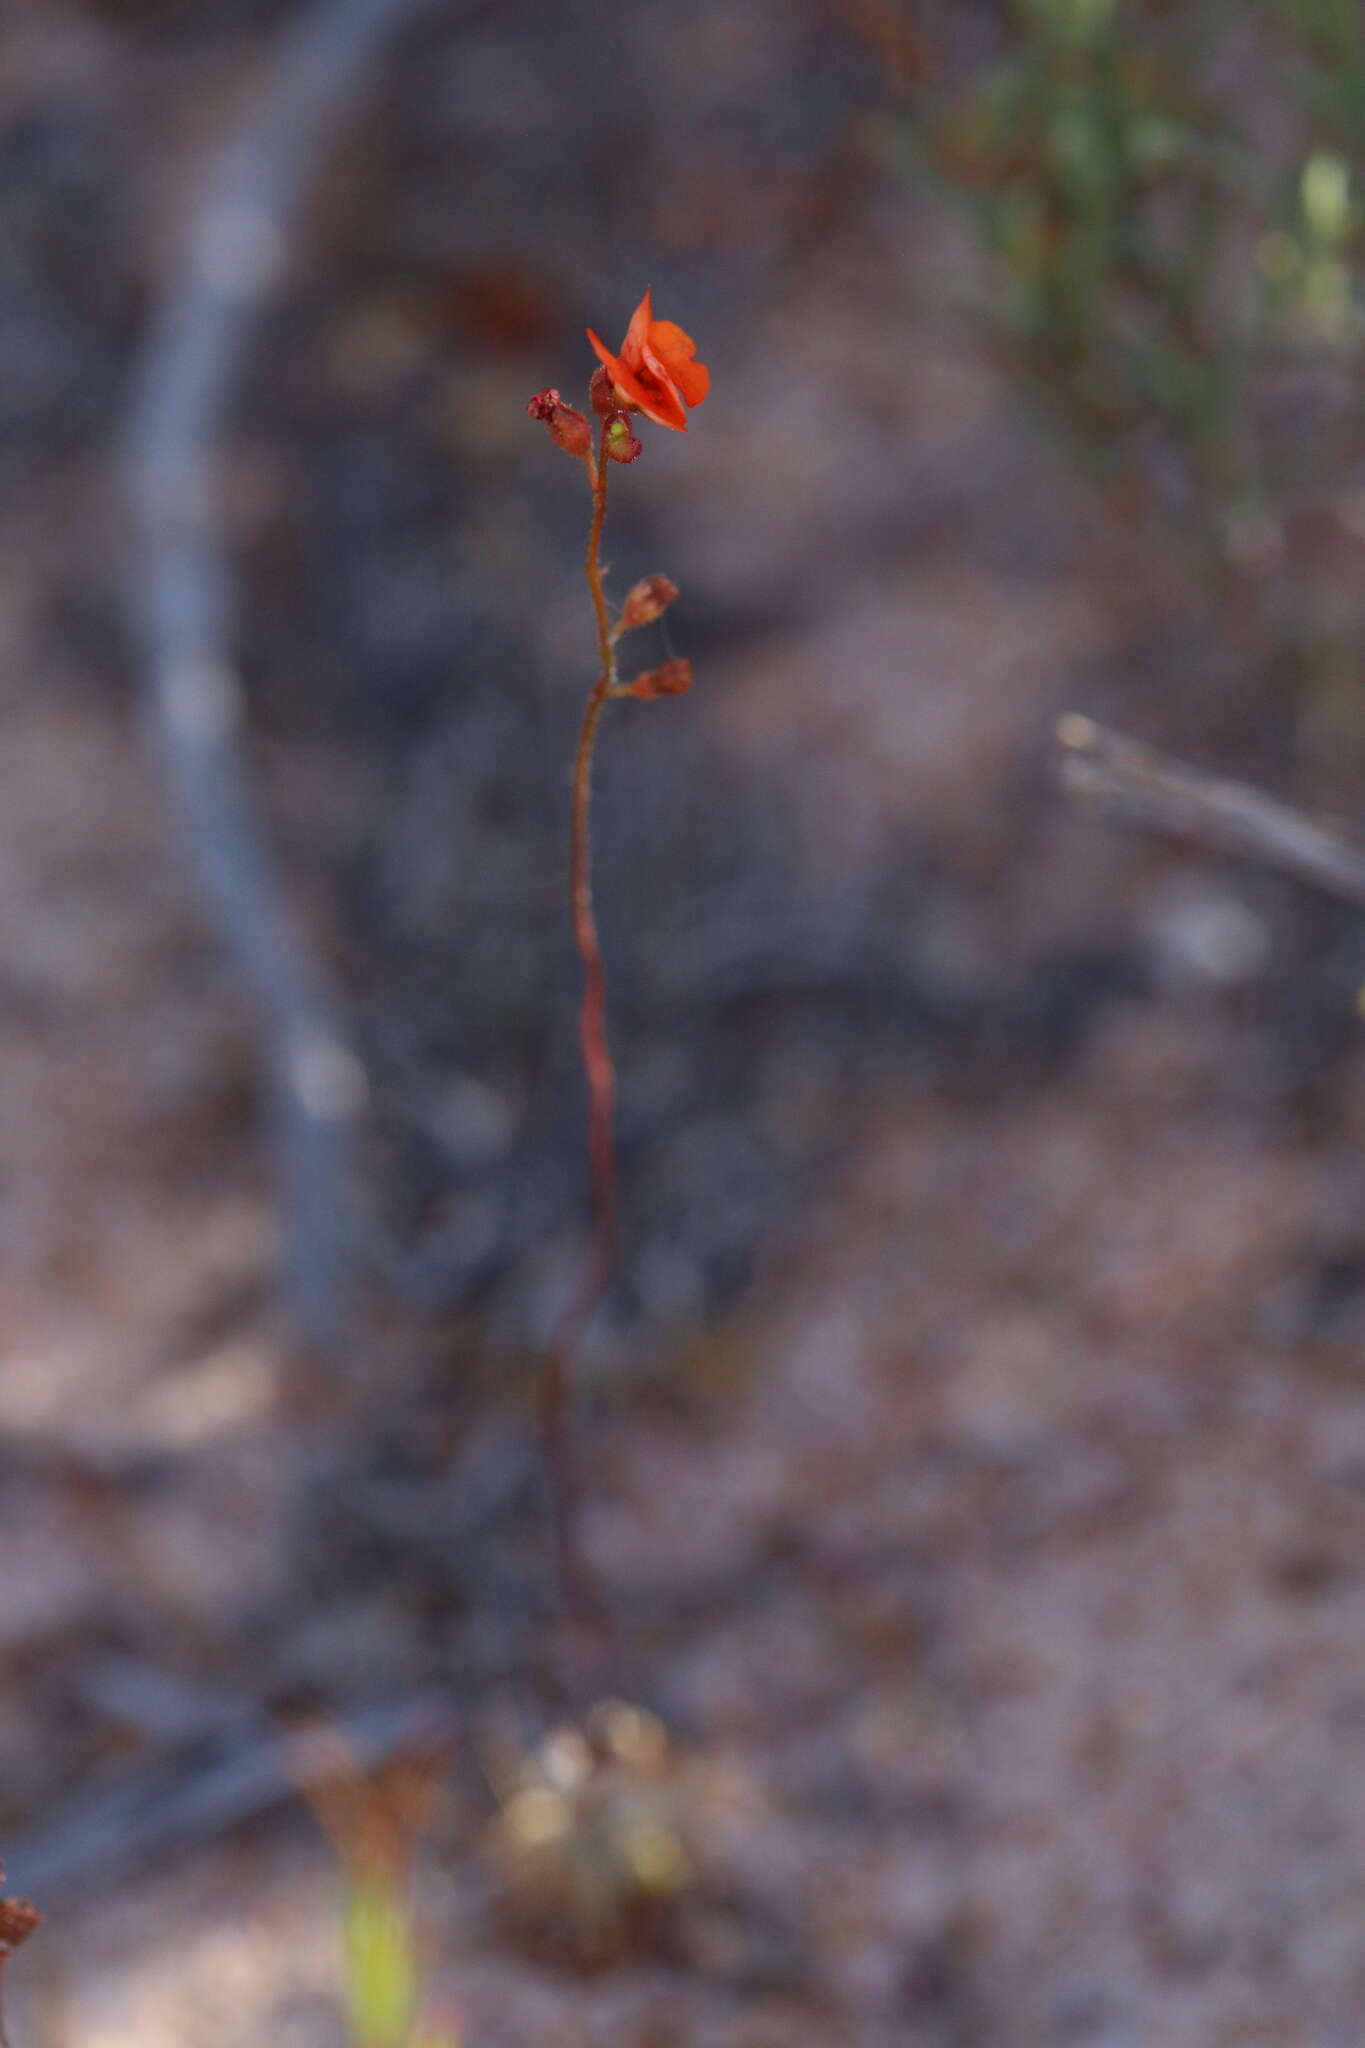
[
  {"x": 647, "y": 601},
  {"x": 670, "y": 679},
  {"x": 566, "y": 424},
  {"x": 618, "y": 440},
  {"x": 602, "y": 393}
]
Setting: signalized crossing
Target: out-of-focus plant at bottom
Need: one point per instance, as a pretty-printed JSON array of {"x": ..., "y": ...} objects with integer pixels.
[
  {"x": 588, "y": 1843},
  {"x": 377, "y": 1824}
]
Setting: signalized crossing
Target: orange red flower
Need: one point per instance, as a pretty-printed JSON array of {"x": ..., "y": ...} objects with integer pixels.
[{"x": 656, "y": 371}]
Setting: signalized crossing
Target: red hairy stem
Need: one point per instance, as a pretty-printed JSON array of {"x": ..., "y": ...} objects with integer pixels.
[{"x": 556, "y": 1430}]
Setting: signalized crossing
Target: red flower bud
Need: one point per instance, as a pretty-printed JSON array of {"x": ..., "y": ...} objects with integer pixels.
[
  {"x": 647, "y": 601},
  {"x": 602, "y": 393},
  {"x": 670, "y": 679},
  {"x": 618, "y": 440},
  {"x": 566, "y": 424}
]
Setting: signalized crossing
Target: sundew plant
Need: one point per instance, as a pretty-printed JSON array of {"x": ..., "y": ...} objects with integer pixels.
[{"x": 655, "y": 377}]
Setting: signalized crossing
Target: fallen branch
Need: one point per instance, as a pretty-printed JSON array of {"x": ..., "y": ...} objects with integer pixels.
[
  {"x": 1124, "y": 776},
  {"x": 183, "y": 607},
  {"x": 188, "y": 1797}
]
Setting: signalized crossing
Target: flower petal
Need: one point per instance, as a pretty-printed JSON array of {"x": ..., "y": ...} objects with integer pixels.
[
  {"x": 675, "y": 351},
  {"x": 637, "y": 334},
  {"x": 665, "y": 404},
  {"x": 604, "y": 354}
]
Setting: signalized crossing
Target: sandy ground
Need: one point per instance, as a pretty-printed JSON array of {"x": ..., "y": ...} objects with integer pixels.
[{"x": 993, "y": 1567}]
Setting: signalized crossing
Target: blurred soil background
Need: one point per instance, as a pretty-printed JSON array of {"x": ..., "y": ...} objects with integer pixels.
[{"x": 976, "y": 1433}]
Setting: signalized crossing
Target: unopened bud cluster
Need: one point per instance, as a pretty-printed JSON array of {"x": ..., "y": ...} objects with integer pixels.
[{"x": 570, "y": 428}]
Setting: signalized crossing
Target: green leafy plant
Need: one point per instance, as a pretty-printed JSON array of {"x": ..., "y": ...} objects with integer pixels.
[
  {"x": 377, "y": 1824},
  {"x": 1168, "y": 202}
]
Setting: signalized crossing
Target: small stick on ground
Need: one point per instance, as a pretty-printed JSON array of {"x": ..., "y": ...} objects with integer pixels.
[{"x": 1122, "y": 775}]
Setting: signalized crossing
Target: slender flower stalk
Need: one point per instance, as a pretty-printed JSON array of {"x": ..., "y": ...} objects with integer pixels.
[
  {"x": 655, "y": 375},
  {"x": 600, "y": 1074},
  {"x": 597, "y": 1064}
]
